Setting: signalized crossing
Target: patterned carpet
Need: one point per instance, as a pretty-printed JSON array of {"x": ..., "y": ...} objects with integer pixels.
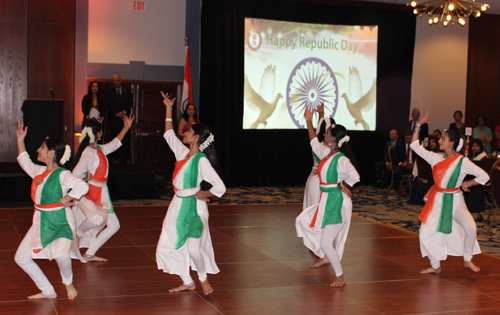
[{"x": 368, "y": 202}]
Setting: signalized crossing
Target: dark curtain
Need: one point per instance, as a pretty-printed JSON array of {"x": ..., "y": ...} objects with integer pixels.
[{"x": 283, "y": 157}]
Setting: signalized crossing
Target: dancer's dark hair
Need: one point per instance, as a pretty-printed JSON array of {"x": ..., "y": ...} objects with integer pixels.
[
  {"x": 96, "y": 126},
  {"x": 59, "y": 146},
  {"x": 340, "y": 132},
  {"x": 455, "y": 136},
  {"x": 322, "y": 128},
  {"x": 204, "y": 131}
]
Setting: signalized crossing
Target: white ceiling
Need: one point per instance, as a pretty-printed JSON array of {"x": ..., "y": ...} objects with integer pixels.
[{"x": 494, "y": 4}]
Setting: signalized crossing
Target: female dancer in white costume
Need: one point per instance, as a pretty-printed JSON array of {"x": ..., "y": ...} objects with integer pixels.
[
  {"x": 311, "y": 191},
  {"x": 96, "y": 207},
  {"x": 53, "y": 230},
  {"x": 447, "y": 225},
  {"x": 185, "y": 237},
  {"x": 324, "y": 226}
]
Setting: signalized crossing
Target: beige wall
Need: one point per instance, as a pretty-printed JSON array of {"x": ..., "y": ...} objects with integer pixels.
[{"x": 439, "y": 71}]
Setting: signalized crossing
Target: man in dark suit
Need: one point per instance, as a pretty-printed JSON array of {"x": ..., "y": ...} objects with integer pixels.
[
  {"x": 119, "y": 104},
  {"x": 386, "y": 163},
  {"x": 424, "y": 129},
  {"x": 404, "y": 161}
]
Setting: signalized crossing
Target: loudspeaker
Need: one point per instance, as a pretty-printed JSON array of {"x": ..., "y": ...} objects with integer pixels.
[{"x": 44, "y": 118}]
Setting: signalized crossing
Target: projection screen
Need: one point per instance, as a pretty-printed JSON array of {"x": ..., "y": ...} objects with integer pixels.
[{"x": 290, "y": 65}]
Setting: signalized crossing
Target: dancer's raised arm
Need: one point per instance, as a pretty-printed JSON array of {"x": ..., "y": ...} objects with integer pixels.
[
  {"x": 169, "y": 104},
  {"x": 419, "y": 123},
  {"x": 21, "y": 134},
  {"x": 127, "y": 123},
  {"x": 308, "y": 115}
]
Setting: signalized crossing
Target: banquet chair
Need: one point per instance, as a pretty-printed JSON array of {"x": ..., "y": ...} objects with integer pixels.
[{"x": 425, "y": 179}]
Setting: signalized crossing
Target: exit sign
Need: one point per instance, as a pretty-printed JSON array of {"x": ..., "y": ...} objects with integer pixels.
[{"x": 138, "y": 5}]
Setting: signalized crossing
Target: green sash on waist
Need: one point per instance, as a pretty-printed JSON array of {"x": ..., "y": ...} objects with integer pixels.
[
  {"x": 446, "y": 218},
  {"x": 335, "y": 198},
  {"x": 189, "y": 223},
  {"x": 53, "y": 224}
]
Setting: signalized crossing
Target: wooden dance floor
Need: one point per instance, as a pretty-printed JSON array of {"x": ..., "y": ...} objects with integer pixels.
[{"x": 264, "y": 270}]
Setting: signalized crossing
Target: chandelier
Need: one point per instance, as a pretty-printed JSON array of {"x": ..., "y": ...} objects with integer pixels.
[{"x": 448, "y": 11}]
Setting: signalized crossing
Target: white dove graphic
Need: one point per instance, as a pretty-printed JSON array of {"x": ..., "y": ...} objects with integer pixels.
[
  {"x": 265, "y": 101},
  {"x": 356, "y": 102}
]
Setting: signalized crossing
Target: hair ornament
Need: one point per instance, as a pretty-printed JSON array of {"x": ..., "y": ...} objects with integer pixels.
[
  {"x": 346, "y": 138},
  {"x": 66, "y": 155},
  {"x": 319, "y": 126},
  {"x": 206, "y": 143},
  {"x": 87, "y": 131},
  {"x": 460, "y": 144}
]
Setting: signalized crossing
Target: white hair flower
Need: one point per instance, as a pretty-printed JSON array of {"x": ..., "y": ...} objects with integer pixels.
[
  {"x": 87, "y": 131},
  {"x": 66, "y": 155},
  {"x": 206, "y": 143},
  {"x": 460, "y": 144},
  {"x": 346, "y": 138}
]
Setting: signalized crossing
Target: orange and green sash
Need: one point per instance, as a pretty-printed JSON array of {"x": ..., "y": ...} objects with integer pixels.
[
  {"x": 189, "y": 223},
  {"x": 101, "y": 174},
  {"x": 439, "y": 171},
  {"x": 335, "y": 198},
  {"x": 53, "y": 223}
]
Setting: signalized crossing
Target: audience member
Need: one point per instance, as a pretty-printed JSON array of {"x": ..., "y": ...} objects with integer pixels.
[
  {"x": 386, "y": 163},
  {"x": 476, "y": 152},
  {"x": 119, "y": 105},
  {"x": 458, "y": 124},
  {"x": 424, "y": 129},
  {"x": 497, "y": 136},
  {"x": 189, "y": 118},
  {"x": 406, "y": 158},
  {"x": 483, "y": 133},
  {"x": 437, "y": 134},
  {"x": 93, "y": 104},
  {"x": 433, "y": 144}
]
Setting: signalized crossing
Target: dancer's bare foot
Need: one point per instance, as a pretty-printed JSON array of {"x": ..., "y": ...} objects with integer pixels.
[
  {"x": 183, "y": 288},
  {"x": 207, "y": 288},
  {"x": 40, "y": 296},
  {"x": 94, "y": 258},
  {"x": 323, "y": 261},
  {"x": 72, "y": 293},
  {"x": 430, "y": 270},
  {"x": 340, "y": 282},
  {"x": 470, "y": 264}
]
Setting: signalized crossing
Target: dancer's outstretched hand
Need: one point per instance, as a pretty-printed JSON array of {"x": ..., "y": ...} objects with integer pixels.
[
  {"x": 166, "y": 100},
  {"x": 21, "y": 130}
]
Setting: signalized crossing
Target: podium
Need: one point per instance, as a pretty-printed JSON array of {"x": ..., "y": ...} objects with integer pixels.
[{"x": 44, "y": 118}]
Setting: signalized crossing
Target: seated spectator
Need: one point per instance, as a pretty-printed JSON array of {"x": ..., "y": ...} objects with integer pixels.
[
  {"x": 433, "y": 144},
  {"x": 385, "y": 163},
  {"x": 437, "y": 134},
  {"x": 406, "y": 159},
  {"x": 476, "y": 152}
]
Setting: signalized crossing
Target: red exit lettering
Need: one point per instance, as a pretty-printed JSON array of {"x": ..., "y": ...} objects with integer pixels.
[{"x": 139, "y": 5}]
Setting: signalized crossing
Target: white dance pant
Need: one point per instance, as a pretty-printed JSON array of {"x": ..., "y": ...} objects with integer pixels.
[
  {"x": 328, "y": 235},
  {"x": 95, "y": 217},
  {"x": 112, "y": 226},
  {"x": 24, "y": 259},
  {"x": 466, "y": 221},
  {"x": 194, "y": 249}
]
